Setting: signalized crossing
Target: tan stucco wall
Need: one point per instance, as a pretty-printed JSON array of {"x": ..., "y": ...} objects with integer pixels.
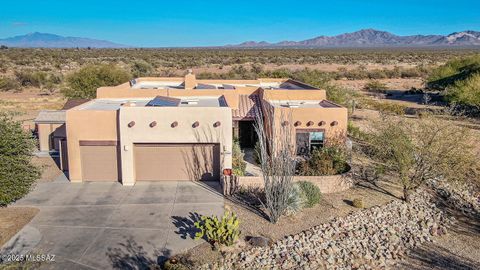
[
  {"x": 326, "y": 183},
  {"x": 304, "y": 115},
  {"x": 87, "y": 125},
  {"x": 45, "y": 130},
  {"x": 294, "y": 94},
  {"x": 141, "y": 132}
]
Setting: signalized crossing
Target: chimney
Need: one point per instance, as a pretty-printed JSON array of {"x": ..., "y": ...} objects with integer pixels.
[{"x": 190, "y": 80}]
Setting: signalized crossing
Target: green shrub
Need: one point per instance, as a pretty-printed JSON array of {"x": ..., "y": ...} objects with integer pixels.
[
  {"x": 358, "y": 203},
  {"x": 31, "y": 78},
  {"x": 8, "y": 84},
  {"x": 453, "y": 71},
  {"x": 141, "y": 68},
  {"x": 312, "y": 193},
  {"x": 296, "y": 199},
  {"x": 223, "y": 231},
  {"x": 84, "y": 83},
  {"x": 238, "y": 164},
  {"x": 385, "y": 107},
  {"x": 328, "y": 160},
  {"x": 375, "y": 86},
  {"x": 17, "y": 173},
  {"x": 465, "y": 92},
  {"x": 354, "y": 131}
]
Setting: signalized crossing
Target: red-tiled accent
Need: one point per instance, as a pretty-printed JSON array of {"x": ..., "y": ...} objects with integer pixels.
[{"x": 247, "y": 105}]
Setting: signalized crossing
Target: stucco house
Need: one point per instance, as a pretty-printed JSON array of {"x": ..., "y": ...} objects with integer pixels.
[{"x": 154, "y": 129}]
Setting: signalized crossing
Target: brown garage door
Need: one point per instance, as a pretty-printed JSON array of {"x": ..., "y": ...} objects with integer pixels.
[
  {"x": 177, "y": 162},
  {"x": 99, "y": 162}
]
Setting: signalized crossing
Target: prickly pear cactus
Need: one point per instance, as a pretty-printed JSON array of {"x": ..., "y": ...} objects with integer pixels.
[{"x": 223, "y": 231}]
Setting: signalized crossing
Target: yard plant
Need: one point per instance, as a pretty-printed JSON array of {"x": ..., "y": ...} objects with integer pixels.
[
  {"x": 17, "y": 173},
  {"x": 277, "y": 161},
  {"x": 416, "y": 152},
  {"x": 311, "y": 192},
  {"x": 238, "y": 164},
  {"x": 84, "y": 82},
  {"x": 221, "y": 231}
]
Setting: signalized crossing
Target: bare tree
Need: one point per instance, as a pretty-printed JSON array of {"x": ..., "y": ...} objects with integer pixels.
[{"x": 277, "y": 159}]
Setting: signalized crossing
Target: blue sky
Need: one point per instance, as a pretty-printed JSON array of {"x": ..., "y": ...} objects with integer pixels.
[{"x": 205, "y": 23}]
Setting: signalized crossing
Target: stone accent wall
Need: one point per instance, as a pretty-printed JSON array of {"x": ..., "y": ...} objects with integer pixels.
[{"x": 327, "y": 184}]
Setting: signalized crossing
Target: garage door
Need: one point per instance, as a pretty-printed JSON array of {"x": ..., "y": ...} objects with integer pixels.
[
  {"x": 156, "y": 162},
  {"x": 99, "y": 162}
]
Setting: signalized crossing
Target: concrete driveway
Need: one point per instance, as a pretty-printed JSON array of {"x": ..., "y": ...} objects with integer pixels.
[{"x": 109, "y": 226}]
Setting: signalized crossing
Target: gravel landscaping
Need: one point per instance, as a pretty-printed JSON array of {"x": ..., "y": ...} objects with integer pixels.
[{"x": 373, "y": 238}]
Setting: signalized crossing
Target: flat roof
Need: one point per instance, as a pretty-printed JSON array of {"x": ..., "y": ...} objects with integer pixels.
[
  {"x": 303, "y": 103},
  {"x": 50, "y": 117},
  {"x": 115, "y": 104},
  {"x": 179, "y": 83}
]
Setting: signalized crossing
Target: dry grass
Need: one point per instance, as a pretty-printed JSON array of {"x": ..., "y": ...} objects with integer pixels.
[
  {"x": 12, "y": 220},
  {"x": 49, "y": 167}
]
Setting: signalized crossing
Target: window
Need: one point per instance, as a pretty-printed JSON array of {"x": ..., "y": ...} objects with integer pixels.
[
  {"x": 316, "y": 140},
  {"x": 308, "y": 140}
]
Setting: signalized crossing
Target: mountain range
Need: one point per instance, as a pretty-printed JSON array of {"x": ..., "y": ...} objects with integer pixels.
[
  {"x": 366, "y": 38},
  {"x": 43, "y": 40},
  {"x": 375, "y": 38}
]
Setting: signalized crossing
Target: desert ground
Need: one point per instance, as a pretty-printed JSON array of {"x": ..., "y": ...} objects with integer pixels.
[{"x": 456, "y": 250}]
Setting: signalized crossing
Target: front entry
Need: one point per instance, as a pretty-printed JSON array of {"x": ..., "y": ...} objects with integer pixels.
[
  {"x": 157, "y": 162},
  {"x": 247, "y": 134}
]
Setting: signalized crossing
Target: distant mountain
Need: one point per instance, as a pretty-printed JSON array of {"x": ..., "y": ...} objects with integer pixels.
[
  {"x": 375, "y": 38},
  {"x": 42, "y": 40}
]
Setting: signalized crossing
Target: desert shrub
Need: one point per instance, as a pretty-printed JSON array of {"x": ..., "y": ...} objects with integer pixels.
[
  {"x": 354, "y": 131},
  {"x": 311, "y": 191},
  {"x": 375, "y": 86},
  {"x": 384, "y": 107},
  {"x": 7, "y": 84},
  {"x": 453, "y": 71},
  {"x": 277, "y": 162},
  {"x": 223, "y": 231},
  {"x": 31, "y": 78},
  {"x": 238, "y": 163},
  {"x": 296, "y": 200},
  {"x": 84, "y": 82},
  {"x": 414, "y": 153},
  {"x": 141, "y": 68},
  {"x": 465, "y": 92},
  {"x": 174, "y": 264},
  {"x": 17, "y": 173},
  {"x": 328, "y": 160},
  {"x": 358, "y": 203}
]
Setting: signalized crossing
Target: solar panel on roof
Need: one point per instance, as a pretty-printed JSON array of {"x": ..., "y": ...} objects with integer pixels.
[{"x": 163, "y": 102}]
